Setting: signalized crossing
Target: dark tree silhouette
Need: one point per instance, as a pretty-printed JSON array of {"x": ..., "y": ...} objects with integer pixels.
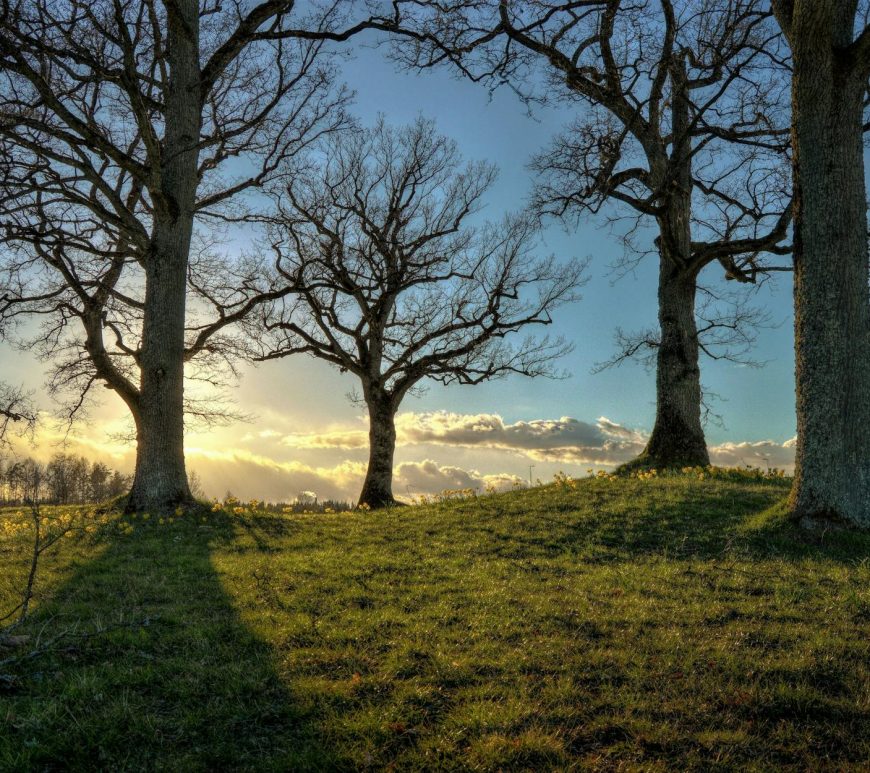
[
  {"x": 15, "y": 410},
  {"x": 123, "y": 124},
  {"x": 830, "y": 43},
  {"x": 66, "y": 479},
  {"x": 684, "y": 125},
  {"x": 392, "y": 284}
]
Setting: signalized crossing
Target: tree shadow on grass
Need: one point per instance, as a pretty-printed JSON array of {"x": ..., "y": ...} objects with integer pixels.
[
  {"x": 605, "y": 523},
  {"x": 397, "y": 645},
  {"x": 166, "y": 677}
]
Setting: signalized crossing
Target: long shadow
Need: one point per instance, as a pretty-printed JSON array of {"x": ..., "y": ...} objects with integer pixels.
[
  {"x": 602, "y": 525},
  {"x": 174, "y": 680},
  {"x": 157, "y": 672}
]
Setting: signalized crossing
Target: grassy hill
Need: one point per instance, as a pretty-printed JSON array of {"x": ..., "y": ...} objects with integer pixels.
[{"x": 648, "y": 624}]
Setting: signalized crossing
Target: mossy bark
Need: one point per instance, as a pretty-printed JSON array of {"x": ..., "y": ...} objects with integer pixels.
[{"x": 832, "y": 307}]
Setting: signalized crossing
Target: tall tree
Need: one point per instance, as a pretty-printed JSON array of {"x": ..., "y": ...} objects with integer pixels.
[
  {"x": 99, "y": 477},
  {"x": 683, "y": 126},
  {"x": 392, "y": 284},
  {"x": 830, "y": 44},
  {"x": 123, "y": 123}
]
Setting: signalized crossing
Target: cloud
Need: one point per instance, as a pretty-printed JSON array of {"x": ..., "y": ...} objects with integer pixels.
[
  {"x": 429, "y": 477},
  {"x": 560, "y": 440},
  {"x": 564, "y": 441},
  {"x": 249, "y": 476},
  {"x": 335, "y": 439},
  {"x": 53, "y": 436},
  {"x": 763, "y": 453}
]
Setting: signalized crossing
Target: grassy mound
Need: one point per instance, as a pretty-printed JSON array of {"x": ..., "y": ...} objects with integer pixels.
[{"x": 670, "y": 623}]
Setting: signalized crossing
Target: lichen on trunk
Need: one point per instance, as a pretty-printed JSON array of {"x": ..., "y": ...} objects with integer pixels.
[{"x": 832, "y": 303}]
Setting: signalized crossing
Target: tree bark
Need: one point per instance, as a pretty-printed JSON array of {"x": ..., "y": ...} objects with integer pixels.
[
  {"x": 677, "y": 439},
  {"x": 377, "y": 489},
  {"x": 832, "y": 307},
  {"x": 160, "y": 479}
]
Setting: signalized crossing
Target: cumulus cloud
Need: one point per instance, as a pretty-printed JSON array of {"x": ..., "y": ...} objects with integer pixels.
[
  {"x": 764, "y": 453},
  {"x": 249, "y": 476},
  {"x": 560, "y": 440},
  {"x": 565, "y": 440},
  {"x": 429, "y": 477},
  {"x": 334, "y": 439}
]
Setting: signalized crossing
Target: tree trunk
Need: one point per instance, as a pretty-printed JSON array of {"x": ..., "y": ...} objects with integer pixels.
[
  {"x": 677, "y": 438},
  {"x": 832, "y": 308},
  {"x": 160, "y": 479},
  {"x": 377, "y": 490}
]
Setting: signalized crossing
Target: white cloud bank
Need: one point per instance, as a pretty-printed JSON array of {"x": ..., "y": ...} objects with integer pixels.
[
  {"x": 430, "y": 478},
  {"x": 250, "y": 476},
  {"x": 565, "y": 440},
  {"x": 764, "y": 453}
]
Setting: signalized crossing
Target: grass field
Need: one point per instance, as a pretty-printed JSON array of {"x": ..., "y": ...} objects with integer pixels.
[{"x": 669, "y": 623}]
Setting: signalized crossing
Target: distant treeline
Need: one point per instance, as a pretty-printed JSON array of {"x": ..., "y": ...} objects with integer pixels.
[
  {"x": 302, "y": 504},
  {"x": 65, "y": 480}
]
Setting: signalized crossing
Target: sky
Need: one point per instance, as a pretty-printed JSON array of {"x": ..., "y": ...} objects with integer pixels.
[{"x": 305, "y": 435}]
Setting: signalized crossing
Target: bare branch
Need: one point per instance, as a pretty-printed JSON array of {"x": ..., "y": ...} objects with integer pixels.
[{"x": 390, "y": 283}]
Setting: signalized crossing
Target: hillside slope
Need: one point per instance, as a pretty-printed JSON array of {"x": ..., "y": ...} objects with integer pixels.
[{"x": 605, "y": 624}]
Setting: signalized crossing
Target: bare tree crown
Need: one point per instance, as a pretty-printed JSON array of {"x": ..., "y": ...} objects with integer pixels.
[
  {"x": 666, "y": 86},
  {"x": 683, "y": 122},
  {"x": 393, "y": 283},
  {"x": 85, "y": 157}
]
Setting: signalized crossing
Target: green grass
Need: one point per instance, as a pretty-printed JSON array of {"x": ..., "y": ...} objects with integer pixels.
[{"x": 623, "y": 625}]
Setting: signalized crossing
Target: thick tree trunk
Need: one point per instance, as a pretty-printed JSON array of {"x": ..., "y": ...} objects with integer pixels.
[
  {"x": 677, "y": 438},
  {"x": 160, "y": 479},
  {"x": 377, "y": 489},
  {"x": 832, "y": 308}
]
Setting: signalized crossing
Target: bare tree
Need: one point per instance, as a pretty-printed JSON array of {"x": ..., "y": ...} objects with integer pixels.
[
  {"x": 392, "y": 284},
  {"x": 684, "y": 124},
  {"x": 123, "y": 124},
  {"x": 830, "y": 44},
  {"x": 15, "y": 409},
  {"x": 98, "y": 482},
  {"x": 66, "y": 479}
]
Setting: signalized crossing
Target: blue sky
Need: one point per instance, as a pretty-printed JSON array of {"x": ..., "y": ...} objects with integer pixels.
[
  {"x": 759, "y": 402},
  {"x": 306, "y": 435}
]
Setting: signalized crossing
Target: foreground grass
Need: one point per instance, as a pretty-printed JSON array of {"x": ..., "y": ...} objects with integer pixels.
[{"x": 631, "y": 624}]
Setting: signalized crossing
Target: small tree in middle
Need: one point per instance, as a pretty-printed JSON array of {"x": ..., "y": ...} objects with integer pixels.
[{"x": 394, "y": 285}]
